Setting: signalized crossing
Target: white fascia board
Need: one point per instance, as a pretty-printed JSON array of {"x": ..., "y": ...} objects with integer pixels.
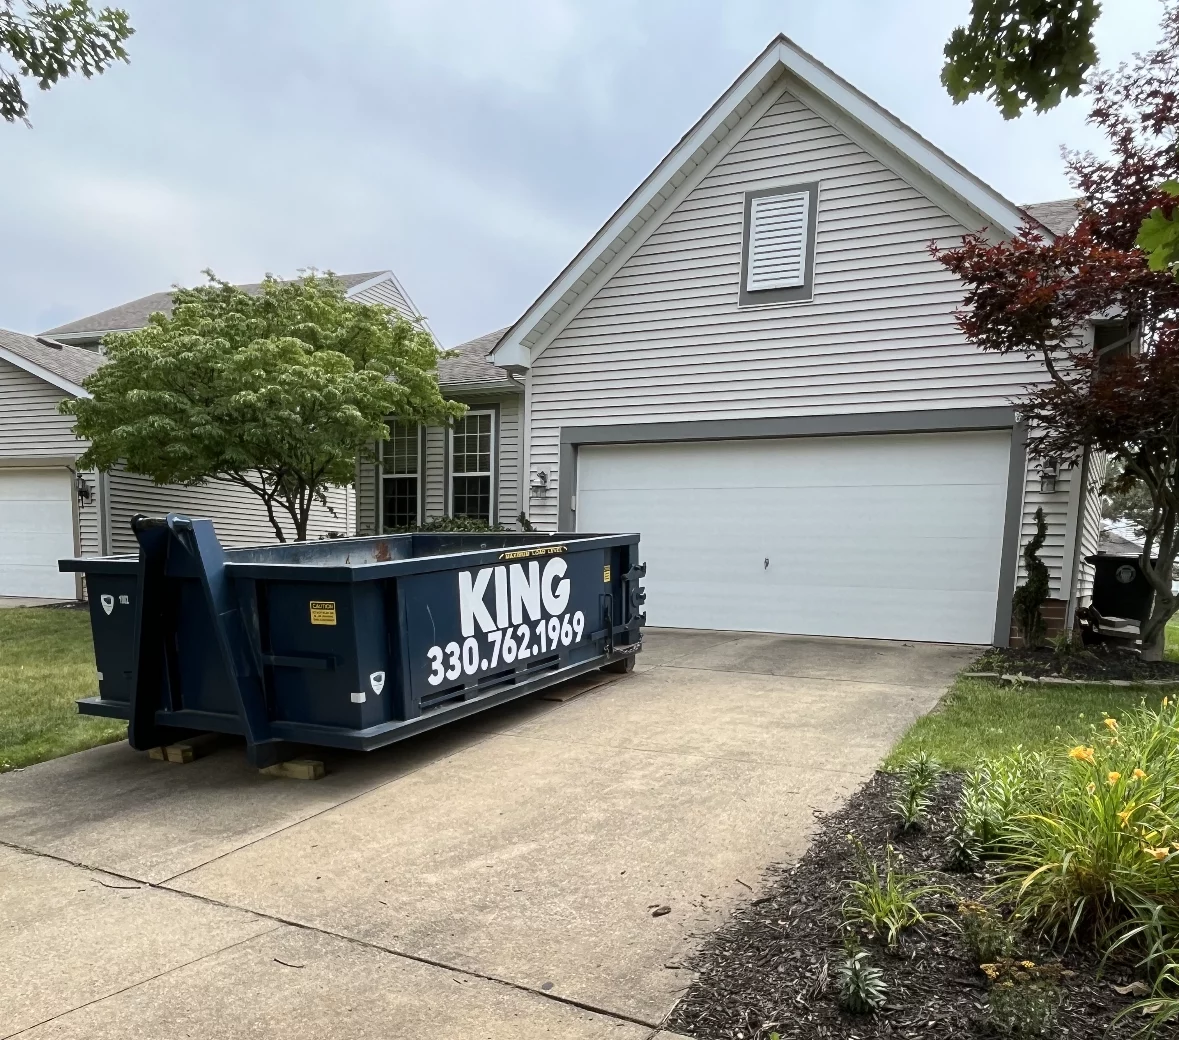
[
  {"x": 996, "y": 211},
  {"x": 40, "y": 372}
]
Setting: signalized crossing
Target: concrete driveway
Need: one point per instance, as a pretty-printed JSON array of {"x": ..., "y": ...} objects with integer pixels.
[{"x": 493, "y": 879}]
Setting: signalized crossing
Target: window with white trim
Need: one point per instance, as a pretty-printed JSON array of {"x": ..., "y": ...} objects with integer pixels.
[
  {"x": 472, "y": 457},
  {"x": 777, "y": 257},
  {"x": 400, "y": 469}
]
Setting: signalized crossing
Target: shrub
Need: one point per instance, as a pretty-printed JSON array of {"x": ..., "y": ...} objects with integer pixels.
[
  {"x": 887, "y": 903},
  {"x": 1024, "y": 997},
  {"x": 457, "y": 524},
  {"x": 1030, "y": 596},
  {"x": 1067, "y": 651},
  {"x": 988, "y": 937},
  {"x": 918, "y": 781},
  {"x": 861, "y": 986}
]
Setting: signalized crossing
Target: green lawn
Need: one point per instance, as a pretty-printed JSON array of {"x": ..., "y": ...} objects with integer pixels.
[
  {"x": 978, "y": 719},
  {"x": 46, "y": 662}
]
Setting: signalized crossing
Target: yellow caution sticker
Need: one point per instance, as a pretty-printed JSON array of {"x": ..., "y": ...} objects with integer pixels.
[
  {"x": 606, "y": 573},
  {"x": 323, "y": 612}
]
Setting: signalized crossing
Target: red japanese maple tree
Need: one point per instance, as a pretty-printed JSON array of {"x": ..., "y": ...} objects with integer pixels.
[{"x": 1039, "y": 297}]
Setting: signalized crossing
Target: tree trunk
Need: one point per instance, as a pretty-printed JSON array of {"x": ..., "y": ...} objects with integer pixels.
[{"x": 1154, "y": 632}]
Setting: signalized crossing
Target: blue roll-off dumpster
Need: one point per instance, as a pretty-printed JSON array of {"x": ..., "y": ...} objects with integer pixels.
[{"x": 348, "y": 643}]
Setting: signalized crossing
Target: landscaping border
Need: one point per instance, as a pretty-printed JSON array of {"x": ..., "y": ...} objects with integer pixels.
[{"x": 1019, "y": 678}]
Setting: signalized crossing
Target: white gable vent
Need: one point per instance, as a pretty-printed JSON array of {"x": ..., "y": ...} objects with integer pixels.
[{"x": 777, "y": 241}]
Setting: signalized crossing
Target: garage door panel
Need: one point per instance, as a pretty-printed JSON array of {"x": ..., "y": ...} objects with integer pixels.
[
  {"x": 867, "y": 613},
  {"x": 36, "y": 530},
  {"x": 890, "y": 536},
  {"x": 825, "y": 462}
]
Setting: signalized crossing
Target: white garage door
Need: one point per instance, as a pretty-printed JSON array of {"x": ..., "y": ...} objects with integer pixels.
[
  {"x": 895, "y": 536},
  {"x": 36, "y": 530}
]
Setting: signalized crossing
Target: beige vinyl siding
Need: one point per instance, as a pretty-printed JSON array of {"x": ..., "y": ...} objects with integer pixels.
[
  {"x": 89, "y": 530},
  {"x": 664, "y": 338},
  {"x": 1055, "y": 507},
  {"x": 366, "y": 496},
  {"x": 30, "y": 424},
  {"x": 385, "y": 292},
  {"x": 237, "y": 514},
  {"x": 508, "y": 473},
  {"x": 1090, "y": 532},
  {"x": 434, "y": 472}
]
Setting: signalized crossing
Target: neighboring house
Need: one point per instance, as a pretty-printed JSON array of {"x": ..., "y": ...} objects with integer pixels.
[
  {"x": 1113, "y": 544},
  {"x": 49, "y": 510},
  {"x": 472, "y": 468},
  {"x": 755, "y": 365}
]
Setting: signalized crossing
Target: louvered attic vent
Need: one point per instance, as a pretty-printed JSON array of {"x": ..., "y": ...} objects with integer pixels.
[{"x": 777, "y": 242}]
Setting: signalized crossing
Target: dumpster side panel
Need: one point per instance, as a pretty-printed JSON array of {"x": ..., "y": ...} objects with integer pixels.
[
  {"x": 326, "y": 650},
  {"x": 112, "y": 624},
  {"x": 531, "y": 611}
]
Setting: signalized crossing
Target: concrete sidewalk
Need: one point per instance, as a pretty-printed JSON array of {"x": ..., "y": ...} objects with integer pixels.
[{"x": 492, "y": 879}]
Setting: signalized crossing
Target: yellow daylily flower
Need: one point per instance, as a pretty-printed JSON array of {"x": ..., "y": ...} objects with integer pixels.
[
  {"x": 1112, "y": 724},
  {"x": 1126, "y": 813},
  {"x": 1082, "y": 754},
  {"x": 1155, "y": 854},
  {"x": 1138, "y": 774},
  {"x": 1113, "y": 778}
]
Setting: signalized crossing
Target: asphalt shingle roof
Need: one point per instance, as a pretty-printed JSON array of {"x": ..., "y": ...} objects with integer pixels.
[
  {"x": 471, "y": 364},
  {"x": 1057, "y": 216},
  {"x": 1113, "y": 544},
  {"x": 134, "y": 315},
  {"x": 69, "y": 362}
]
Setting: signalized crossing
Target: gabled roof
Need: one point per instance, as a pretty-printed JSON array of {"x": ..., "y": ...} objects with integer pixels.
[
  {"x": 470, "y": 369},
  {"x": 134, "y": 315},
  {"x": 782, "y": 66},
  {"x": 59, "y": 364},
  {"x": 1057, "y": 216}
]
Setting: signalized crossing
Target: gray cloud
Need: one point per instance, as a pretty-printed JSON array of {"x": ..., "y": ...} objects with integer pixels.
[{"x": 473, "y": 147}]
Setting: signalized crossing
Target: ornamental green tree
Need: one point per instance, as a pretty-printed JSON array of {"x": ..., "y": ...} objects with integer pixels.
[
  {"x": 1022, "y": 52},
  {"x": 277, "y": 391},
  {"x": 49, "y": 41}
]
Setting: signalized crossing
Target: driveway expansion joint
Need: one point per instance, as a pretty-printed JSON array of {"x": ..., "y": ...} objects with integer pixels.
[{"x": 278, "y": 922}]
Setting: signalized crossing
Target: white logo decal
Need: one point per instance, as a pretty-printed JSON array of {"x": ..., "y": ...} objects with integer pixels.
[
  {"x": 377, "y": 679},
  {"x": 107, "y": 601},
  {"x": 358, "y": 696},
  {"x": 125, "y": 600}
]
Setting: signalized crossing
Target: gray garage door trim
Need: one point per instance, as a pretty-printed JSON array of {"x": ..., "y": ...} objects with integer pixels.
[{"x": 932, "y": 421}]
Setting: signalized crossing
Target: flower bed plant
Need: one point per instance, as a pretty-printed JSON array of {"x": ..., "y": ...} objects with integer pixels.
[{"x": 1036, "y": 895}]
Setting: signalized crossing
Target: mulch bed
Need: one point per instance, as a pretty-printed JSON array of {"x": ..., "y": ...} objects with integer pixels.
[
  {"x": 1100, "y": 662},
  {"x": 766, "y": 971}
]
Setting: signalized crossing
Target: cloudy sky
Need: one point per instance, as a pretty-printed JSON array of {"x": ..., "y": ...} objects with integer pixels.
[{"x": 471, "y": 146}]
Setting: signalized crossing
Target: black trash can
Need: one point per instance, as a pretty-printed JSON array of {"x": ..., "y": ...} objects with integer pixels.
[
  {"x": 348, "y": 643},
  {"x": 1120, "y": 589}
]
